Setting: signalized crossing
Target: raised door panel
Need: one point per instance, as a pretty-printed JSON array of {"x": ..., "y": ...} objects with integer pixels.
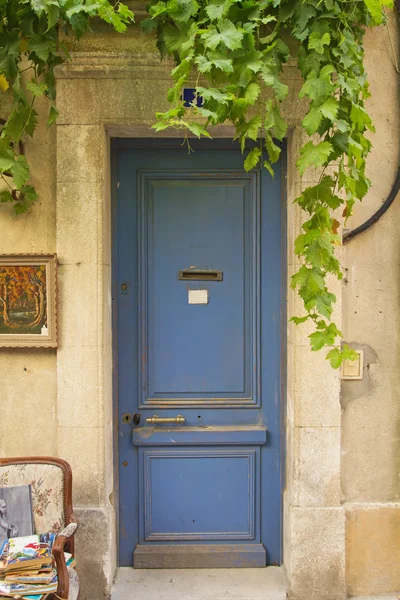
[
  {"x": 207, "y": 352},
  {"x": 201, "y": 495}
]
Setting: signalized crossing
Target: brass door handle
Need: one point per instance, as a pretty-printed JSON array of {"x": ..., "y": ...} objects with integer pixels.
[{"x": 157, "y": 419}]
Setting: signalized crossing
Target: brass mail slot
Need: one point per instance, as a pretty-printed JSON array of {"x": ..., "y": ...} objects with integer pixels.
[{"x": 200, "y": 275}]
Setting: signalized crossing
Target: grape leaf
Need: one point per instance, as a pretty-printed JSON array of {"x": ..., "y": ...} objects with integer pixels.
[
  {"x": 375, "y": 8},
  {"x": 213, "y": 94},
  {"x": 6, "y": 156},
  {"x": 330, "y": 108},
  {"x": 224, "y": 64},
  {"x": 226, "y": 34},
  {"x": 318, "y": 88},
  {"x": 29, "y": 193},
  {"x": 252, "y": 159},
  {"x": 273, "y": 150},
  {"x": 252, "y": 92},
  {"x": 269, "y": 168},
  {"x": 5, "y": 196},
  {"x": 182, "y": 10},
  {"x": 313, "y": 155},
  {"x": 40, "y": 46},
  {"x": 203, "y": 64},
  {"x": 217, "y": 9},
  {"x": 197, "y": 129},
  {"x": 37, "y": 89},
  {"x": 316, "y": 41},
  {"x": 20, "y": 171},
  {"x": 312, "y": 120},
  {"x": 275, "y": 122}
]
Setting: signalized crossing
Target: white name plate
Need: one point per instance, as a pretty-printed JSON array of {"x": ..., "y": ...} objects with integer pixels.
[{"x": 198, "y": 296}]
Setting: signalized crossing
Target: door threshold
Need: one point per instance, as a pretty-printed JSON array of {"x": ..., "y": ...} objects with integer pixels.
[
  {"x": 229, "y": 556},
  {"x": 268, "y": 583}
]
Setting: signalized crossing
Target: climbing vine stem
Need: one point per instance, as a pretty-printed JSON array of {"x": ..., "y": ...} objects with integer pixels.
[{"x": 233, "y": 53}]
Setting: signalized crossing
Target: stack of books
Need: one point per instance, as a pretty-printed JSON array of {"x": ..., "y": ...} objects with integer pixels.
[{"x": 27, "y": 568}]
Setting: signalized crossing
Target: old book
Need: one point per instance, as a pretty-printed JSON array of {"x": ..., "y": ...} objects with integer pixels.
[
  {"x": 42, "y": 578},
  {"x": 16, "y": 515},
  {"x": 27, "y": 552},
  {"x": 21, "y": 589}
]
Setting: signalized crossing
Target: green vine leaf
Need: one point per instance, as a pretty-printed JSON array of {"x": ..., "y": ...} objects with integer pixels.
[
  {"x": 6, "y": 196},
  {"x": 6, "y": 156},
  {"x": 319, "y": 87},
  {"x": 252, "y": 92},
  {"x": 225, "y": 34},
  {"x": 218, "y": 9},
  {"x": 252, "y": 159},
  {"x": 52, "y": 115},
  {"x": 316, "y": 41},
  {"x": 37, "y": 89},
  {"x": 314, "y": 155},
  {"x": 375, "y": 9},
  {"x": 20, "y": 171},
  {"x": 324, "y": 337},
  {"x": 197, "y": 129}
]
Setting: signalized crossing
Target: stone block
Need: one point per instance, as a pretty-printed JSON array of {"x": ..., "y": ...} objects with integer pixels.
[
  {"x": 83, "y": 448},
  {"x": 372, "y": 309},
  {"x": 127, "y": 100},
  {"x": 92, "y": 549},
  {"x": 316, "y": 561},
  {"x": 80, "y": 152},
  {"x": 371, "y": 452},
  {"x": 315, "y": 405},
  {"x": 316, "y": 476},
  {"x": 372, "y": 549},
  {"x": 78, "y": 222},
  {"x": 79, "y": 401},
  {"x": 79, "y": 288}
]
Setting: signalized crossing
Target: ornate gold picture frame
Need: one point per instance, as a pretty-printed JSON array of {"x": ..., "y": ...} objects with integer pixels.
[{"x": 28, "y": 315}]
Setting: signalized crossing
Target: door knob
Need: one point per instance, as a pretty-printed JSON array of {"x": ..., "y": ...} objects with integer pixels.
[{"x": 157, "y": 419}]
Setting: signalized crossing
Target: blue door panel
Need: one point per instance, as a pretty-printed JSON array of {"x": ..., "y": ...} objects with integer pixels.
[
  {"x": 218, "y": 476},
  {"x": 204, "y": 495},
  {"x": 190, "y": 241},
  {"x": 199, "y": 352}
]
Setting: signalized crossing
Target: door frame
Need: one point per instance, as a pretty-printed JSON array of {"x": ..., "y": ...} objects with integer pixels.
[{"x": 222, "y": 136}]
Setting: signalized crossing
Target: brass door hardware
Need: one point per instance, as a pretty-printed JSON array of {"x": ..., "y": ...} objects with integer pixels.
[{"x": 156, "y": 419}]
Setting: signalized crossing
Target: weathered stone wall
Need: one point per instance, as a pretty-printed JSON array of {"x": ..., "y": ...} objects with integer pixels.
[
  {"x": 371, "y": 319},
  {"x": 341, "y": 516}
]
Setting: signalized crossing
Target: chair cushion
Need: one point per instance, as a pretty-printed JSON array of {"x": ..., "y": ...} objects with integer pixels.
[{"x": 47, "y": 483}]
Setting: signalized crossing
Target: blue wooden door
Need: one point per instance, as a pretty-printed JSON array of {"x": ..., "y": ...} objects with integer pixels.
[{"x": 198, "y": 311}]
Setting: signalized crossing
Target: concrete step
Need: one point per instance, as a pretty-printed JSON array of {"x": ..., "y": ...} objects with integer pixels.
[{"x": 200, "y": 584}]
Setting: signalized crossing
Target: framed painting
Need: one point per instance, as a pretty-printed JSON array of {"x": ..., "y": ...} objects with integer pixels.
[{"x": 28, "y": 300}]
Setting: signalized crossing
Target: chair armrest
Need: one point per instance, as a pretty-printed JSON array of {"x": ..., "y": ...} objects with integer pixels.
[
  {"x": 64, "y": 538},
  {"x": 70, "y": 547},
  {"x": 68, "y": 531},
  {"x": 62, "y": 571}
]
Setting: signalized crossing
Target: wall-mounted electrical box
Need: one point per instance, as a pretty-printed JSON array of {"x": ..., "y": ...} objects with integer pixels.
[{"x": 353, "y": 369}]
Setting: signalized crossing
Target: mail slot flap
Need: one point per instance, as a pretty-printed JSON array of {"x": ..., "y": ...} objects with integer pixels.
[{"x": 200, "y": 275}]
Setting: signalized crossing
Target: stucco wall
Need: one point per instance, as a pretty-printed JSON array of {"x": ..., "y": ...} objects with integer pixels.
[
  {"x": 28, "y": 378},
  {"x": 59, "y": 402}
]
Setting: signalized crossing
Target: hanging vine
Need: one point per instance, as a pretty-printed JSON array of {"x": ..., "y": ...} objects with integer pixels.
[{"x": 232, "y": 52}]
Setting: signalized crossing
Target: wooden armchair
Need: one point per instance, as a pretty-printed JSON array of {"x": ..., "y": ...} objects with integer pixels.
[{"x": 51, "y": 483}]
